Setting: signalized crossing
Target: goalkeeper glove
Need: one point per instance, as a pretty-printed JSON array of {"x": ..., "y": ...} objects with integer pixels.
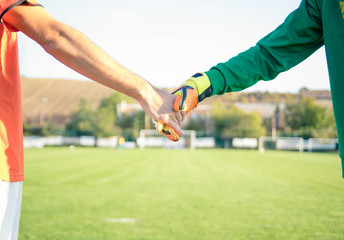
[
  {"x": 193, "y": 91},
  {"x": 165, "y": 130}
]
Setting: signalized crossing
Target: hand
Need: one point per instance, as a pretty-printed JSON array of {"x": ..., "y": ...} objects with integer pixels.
[
  {"x": 193, "y": 91},
  {"x": 159, "y": 105},
  {"x": 165, "y": 130}
]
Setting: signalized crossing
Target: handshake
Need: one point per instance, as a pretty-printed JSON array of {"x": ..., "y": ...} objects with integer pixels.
[{"x": 193, "y": 91}]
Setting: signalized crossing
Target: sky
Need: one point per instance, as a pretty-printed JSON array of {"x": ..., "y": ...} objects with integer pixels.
[{"x": 166, "y": 42}]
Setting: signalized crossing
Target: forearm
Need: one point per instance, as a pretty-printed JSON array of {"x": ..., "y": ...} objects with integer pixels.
[
  {"x": 76, "y": 51},
  {"x": 292, "y": 42},
  {"x": 240, "y": 72}
]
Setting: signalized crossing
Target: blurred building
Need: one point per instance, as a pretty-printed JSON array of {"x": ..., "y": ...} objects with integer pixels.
[{"x": 321, "y": 97}]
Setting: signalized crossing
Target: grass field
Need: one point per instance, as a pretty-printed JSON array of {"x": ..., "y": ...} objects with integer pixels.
[{"x": 161, "y": 194}]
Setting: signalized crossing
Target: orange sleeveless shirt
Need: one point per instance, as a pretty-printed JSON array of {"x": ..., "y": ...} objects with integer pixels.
[{"x": 11, "y": 126}]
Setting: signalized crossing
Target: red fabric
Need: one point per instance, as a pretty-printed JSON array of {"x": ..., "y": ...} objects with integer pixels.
[{"x": 11, "y": 127}]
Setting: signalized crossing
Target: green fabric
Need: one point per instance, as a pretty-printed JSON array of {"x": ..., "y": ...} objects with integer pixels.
[
  {"x": 342, "y": 167},
  {"x": 313, "y": 24}
]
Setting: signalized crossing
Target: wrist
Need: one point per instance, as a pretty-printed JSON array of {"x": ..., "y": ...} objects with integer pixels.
[
  {"x": 144, "y": 93},
  {"x": 201, "y": 83}
]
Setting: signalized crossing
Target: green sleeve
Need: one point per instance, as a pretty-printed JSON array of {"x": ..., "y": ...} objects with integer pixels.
[{"x": 293, "y": 41}]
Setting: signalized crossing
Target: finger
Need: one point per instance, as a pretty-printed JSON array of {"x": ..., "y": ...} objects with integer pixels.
[
  {"x": 183, "y": 114},
  {"x": 174, "y": 119},
  {"x": 175, "y": 127},
  {"x": 179, "y": 117}
]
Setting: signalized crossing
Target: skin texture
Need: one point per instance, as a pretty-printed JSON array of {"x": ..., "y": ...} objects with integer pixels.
[{"x": 77, "y": 52}]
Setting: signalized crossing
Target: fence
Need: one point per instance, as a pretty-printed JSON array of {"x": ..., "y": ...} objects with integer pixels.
[
  {"x": 262, "y": 144},
  {"x": 39, "y": 142}
]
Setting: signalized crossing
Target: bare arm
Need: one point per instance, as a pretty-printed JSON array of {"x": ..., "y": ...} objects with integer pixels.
[{"x": 76, "y": 51}]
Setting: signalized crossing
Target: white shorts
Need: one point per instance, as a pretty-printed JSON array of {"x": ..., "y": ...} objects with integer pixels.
[{"x": 10, "y": 205}]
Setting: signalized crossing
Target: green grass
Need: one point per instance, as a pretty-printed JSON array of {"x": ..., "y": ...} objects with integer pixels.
[{"x": 180, "y": 194}]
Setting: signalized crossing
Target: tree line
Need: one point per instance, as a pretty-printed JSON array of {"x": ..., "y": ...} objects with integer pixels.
[{"x": 299, "y": 118}]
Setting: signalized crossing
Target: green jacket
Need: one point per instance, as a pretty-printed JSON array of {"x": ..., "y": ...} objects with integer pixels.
[{"x": 313, "y": 24}]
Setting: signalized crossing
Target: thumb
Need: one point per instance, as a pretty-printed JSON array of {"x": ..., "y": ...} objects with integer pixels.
[{"x": 175, "y": 127}]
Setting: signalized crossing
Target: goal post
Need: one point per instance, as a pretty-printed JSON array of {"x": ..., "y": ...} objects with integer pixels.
[
  {"x": 322, "y": 144},
  {"x": 150, "y": 138},
  {"x": 281, "y": 143},
  {"x": 297, "y": 143}
]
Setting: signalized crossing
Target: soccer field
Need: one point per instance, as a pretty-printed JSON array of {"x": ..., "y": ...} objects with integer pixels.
[{"x": 162, "y": 194}]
